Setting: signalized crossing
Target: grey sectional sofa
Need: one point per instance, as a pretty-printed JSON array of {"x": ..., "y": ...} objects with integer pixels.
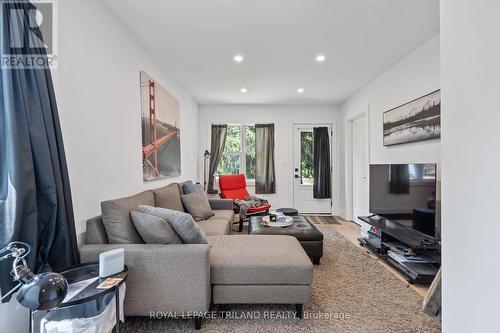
[{"x": 184, "y": 279}]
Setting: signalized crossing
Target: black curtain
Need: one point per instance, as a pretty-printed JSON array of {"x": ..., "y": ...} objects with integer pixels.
[
  {"x": 399, "y": 179},
  {"x": 35, "y": 196},
  {"x": 218, "y": 141},
  {"x": 265, "y": 178},
  {"x": 322, "y": 169}
]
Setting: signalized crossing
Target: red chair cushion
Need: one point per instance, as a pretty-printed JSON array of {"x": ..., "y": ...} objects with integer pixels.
[
  {"x": 233, "y": 186},
  {"x": 232, "y": 182},
  {"x": 260, "y": 209},
  {"x": 240, "y": 193}
]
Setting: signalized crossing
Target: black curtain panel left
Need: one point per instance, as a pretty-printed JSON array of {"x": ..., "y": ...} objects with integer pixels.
[{"x": 35, "y": 196}]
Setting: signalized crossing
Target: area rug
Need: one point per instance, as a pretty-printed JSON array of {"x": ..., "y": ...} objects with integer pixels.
[
  {"x": 320, "y": 219},
  {"x": 350, "y": 293}
]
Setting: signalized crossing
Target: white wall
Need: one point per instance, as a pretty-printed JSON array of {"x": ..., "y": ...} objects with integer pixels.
[
  {"x": 414, "y": 76},
  {"x": 283, "y": 116},
  {"x": 470, "y": 55},
  {"x": 99, "y": 105}
]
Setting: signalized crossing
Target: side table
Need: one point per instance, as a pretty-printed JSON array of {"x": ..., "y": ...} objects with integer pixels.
[{"x": 90, "y": 292}]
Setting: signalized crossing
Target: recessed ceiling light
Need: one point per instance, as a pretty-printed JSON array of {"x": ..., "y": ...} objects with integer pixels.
[
  {"x": 300, "y": 90},
  {"x": 238, "y": 58},
  {"x": 243, "y": 90},
  {"x": 320, "y": 58}
]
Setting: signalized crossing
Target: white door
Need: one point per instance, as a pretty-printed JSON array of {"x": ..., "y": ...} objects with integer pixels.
[
  {"x": 303, "y": 179},
  {"x": 360, "y": 167}
]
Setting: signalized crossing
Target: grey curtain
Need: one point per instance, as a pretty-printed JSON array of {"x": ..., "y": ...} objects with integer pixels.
[
  {"x": 265, "y": 179},
  {"x": 399, "y": 179},
  {"x": 322, "y": 169},
  {"x": 218, "y": 140},
  {"x": 35, "y": 196}
]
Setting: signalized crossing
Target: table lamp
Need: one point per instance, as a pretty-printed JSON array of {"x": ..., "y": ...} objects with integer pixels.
[
  {"x": 206, "y": 157},
  {"x": 42, "y": 291}
]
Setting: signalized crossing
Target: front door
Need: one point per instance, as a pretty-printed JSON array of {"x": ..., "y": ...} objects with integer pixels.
[{"x": 304, "y": 171}]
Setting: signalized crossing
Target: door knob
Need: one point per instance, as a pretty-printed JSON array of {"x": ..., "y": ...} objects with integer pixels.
[{"x": 296, "y": 176}]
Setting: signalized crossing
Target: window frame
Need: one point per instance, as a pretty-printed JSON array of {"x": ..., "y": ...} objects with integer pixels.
[{"x": 242, "y": 153}]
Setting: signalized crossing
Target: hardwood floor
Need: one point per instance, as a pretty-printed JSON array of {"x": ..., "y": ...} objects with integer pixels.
[{"x": 351, "y": 231}]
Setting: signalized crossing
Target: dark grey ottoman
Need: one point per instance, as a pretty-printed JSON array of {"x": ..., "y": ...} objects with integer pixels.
[{"x": 307, "y": 234}]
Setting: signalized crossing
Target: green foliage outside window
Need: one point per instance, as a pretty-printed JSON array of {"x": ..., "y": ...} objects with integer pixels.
[
  {"x": 306, "y": 158},
  {"x": 239, "y": 152}
]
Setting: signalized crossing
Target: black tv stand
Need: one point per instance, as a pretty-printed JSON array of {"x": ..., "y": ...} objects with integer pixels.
[{"x": 392, "y": 237}]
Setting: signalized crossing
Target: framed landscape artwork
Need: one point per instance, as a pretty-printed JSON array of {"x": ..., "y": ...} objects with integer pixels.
[
  {"x": 161, "y": 135},
  {"x": 417, "y": 120}
]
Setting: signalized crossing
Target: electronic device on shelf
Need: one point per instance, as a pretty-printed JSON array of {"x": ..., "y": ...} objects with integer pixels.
[
  {"x": 415, "y": 254},
  {"x": 111, "y": 262},
  {"x": 404, "y": 219}
]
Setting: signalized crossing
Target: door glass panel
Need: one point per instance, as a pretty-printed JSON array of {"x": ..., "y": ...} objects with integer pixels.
[{"x": 306, "y": 158}]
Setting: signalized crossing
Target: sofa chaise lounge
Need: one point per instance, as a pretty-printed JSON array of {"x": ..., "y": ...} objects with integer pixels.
[{"x": 183, "y": 280}]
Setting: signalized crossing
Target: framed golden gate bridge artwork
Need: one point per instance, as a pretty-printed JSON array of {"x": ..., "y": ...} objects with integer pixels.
[{"x": 161, "y": 134}]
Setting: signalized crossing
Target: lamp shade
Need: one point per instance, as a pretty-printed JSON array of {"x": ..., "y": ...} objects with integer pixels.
[{"x": 43, "y": 291}]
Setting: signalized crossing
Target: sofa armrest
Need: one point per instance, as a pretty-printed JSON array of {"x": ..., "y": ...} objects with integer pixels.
[
  {"x": 166, "y": 278},
  {"x": 221, "y": 204}
]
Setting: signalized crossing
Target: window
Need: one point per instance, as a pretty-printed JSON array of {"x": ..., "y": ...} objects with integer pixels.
[
  {"x": 306, "y": 158},
  {"x": 239, "y": 151}
]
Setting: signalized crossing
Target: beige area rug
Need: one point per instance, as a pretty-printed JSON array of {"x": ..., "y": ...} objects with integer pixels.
[{"x": 351, "y": 293}]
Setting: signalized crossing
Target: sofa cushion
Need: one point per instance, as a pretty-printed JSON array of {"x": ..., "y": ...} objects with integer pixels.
[
  {"x": 116, "y": 217},
  {"x": 168, "y": 197},
  {"x": 224, "y": 214},
  {"x": 259, "y": 259},
  {"x": 189, "y": 187},
  {"x": 95, "y": 233},
  {"x": 182, "y": 223},
  {"x": 154, "y": 229},
  {"x": 215, "y": 227},
  {"x": 197, "y": 205}
]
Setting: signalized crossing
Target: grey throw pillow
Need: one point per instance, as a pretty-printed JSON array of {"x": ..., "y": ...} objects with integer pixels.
[
  {"x": 168, "y": 197},
  {"x": 154, "y": 229},
  {"x": 189, "y": 187},
  {"x": 183, "y": 224},
  {"x": 197, "y": 205},
  {"x": 117, "y": 221}
]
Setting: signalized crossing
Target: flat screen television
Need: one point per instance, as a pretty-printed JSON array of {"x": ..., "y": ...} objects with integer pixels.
[{"x": 405, "y": 194}]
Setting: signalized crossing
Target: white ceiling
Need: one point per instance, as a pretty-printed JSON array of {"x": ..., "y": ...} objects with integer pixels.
[{"x": 195, "y": 41}]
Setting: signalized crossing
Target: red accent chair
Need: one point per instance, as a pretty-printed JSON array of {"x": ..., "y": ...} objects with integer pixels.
[{"x": 235, "y": 187}]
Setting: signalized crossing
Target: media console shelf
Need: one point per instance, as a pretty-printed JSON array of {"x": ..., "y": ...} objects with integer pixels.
[{"x": 391, "y": 235}]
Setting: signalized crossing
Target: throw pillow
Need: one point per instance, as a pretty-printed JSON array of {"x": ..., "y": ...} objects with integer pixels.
[
  {"x": 154, "y": 229},
  {"x": 197, "y": 205},
  {"x": 189, "y": 187},
  {"x": 182, "y": 223},
  {"x": 117, "y": 221},
  {"x": 168, "y": 197}
]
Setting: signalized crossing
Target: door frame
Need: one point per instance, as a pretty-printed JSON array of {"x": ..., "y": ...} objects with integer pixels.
[
  {"x": 349, "y": 166},
  {"x": 333, "y": 161}
]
